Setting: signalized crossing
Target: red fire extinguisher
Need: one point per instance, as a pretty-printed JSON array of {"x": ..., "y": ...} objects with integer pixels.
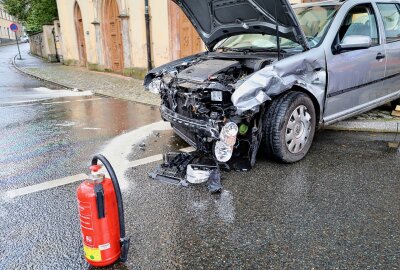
[{"x": 102, "y": 217}]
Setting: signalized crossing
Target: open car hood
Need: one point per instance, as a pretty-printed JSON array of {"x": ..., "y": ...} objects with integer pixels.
[{"x": 215, "y": 20}]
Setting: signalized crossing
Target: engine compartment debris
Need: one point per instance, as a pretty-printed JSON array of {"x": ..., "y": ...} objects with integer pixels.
[{"x": 182, "y": 169}]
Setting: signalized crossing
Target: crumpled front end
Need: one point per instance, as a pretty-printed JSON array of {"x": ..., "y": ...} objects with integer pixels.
[
  {"x": 195, "y": 132},
  {"x": 202, "y": 96},
  {"x": 197, "y": 101}
]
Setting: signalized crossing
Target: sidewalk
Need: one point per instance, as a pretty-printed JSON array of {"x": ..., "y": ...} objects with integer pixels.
[
  {"x": 122, "y": 87},
  {"x": 7, "y": 44},
  {"x": 102, "y": 83}
]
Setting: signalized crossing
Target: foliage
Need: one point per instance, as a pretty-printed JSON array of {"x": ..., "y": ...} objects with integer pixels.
[{"x": 33, "y": 13}]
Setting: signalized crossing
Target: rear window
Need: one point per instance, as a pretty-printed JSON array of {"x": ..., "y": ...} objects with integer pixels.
[{"x": 391, "y": 20}]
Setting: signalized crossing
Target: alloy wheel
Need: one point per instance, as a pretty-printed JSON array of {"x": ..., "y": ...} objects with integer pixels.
[{"x": 298, "y": 129}]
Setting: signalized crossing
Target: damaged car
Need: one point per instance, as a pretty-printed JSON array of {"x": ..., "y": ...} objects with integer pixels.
[{"x": 273, "y": 73}]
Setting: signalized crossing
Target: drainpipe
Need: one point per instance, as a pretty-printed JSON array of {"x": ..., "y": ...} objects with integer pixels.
[
  {"x": 55, "y": 44},
  {"x": 148, "y": 41}
]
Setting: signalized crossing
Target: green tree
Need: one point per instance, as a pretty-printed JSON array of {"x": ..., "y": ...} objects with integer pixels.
[{"x": 33, "y": 13}]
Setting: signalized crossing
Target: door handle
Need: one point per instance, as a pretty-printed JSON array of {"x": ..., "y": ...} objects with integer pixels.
[{"x": 380, "y": 56}]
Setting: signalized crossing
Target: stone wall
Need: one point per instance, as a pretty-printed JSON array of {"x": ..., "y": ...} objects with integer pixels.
[
  {"x": 36, "y": 44},
  {"x": 46, "y": 44}
]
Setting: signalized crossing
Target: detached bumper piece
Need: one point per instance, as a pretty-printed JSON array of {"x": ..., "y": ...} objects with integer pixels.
[{"x": 183, "y": 169}]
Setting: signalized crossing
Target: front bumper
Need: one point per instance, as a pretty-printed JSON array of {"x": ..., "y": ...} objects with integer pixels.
[{"x": 183, "y": 125}]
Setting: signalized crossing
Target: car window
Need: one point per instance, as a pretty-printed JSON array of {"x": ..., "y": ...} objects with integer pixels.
[
  {"x": 391, "y": 20},
  {"x": 313, "y": 20},
  {"x": 360, "y": 20}
]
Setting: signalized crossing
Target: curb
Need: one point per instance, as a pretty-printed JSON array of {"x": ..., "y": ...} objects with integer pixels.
[
  {"x": 40, "y": 78},
  {"x": 350, "y": 129},
  {"x": 70, "y": 87},
  {"x": 374, "y": 127}
]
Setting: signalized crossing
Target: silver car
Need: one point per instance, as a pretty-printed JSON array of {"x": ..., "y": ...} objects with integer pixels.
[{"x": 273, "y": 73}]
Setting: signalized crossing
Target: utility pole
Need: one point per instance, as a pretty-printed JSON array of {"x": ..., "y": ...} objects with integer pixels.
[
  {"x": 19, "y": 51},
  {"x": 14, "y": 28},
  {"x": 148, "y": 37}
]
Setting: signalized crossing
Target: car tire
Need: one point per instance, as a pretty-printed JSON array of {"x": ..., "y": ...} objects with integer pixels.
[
  {"x": 289, "y": 127},
  {"x": 267, "y": 121}
]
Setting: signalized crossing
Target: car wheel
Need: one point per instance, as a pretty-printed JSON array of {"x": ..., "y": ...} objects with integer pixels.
[
  {"x": 290, "y": 127},
  {"x": 267, "y": 120}
]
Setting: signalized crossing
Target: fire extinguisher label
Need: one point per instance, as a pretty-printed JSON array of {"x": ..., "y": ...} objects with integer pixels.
[
  {"x": 105, "y": 246},
  {"x": 92, "y": 254}
]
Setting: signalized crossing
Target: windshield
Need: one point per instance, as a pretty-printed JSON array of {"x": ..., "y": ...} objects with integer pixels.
[{"x": 314, "y": 21}]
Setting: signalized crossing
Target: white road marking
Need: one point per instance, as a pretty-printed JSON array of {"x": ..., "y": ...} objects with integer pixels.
[
  {"x": 16, "y": 106},
  {"x": 118, "y": 149},
  {"x": 144, "y": 132},
  {"x": 66, "y": 124},
  {"x": 88, "y": 128},
  {"x": 22, "y": 102},
  {"x": 36, "y": 102},
  {"x": 55, "y": 102},
  {"x": 143, "y": 161},
  {"x": 44, "y": 186}
]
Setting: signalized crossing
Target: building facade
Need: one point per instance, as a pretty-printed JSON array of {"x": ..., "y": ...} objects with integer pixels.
[
  {"x": 111, "y": 34},
  {"x": 6, "y": 35}
]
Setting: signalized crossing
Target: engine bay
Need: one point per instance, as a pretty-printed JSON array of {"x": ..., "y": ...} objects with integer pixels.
[
  {"x": 203, "y": 87},
  {"x": 200, "y": 91}
]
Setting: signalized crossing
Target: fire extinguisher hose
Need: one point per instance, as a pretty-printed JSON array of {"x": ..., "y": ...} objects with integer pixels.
[{"x": 124, "y": 241}]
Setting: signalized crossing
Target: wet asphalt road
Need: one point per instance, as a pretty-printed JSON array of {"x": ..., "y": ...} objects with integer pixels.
[
  {"x": 47, "y": 133},
  {"x": 339, "y": 208}
]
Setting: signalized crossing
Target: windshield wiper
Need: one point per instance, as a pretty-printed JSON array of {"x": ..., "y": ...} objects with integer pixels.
[
  {"x": 273, "y": 50},
  {"x": 251, "y": 49},
  {"x": 227, "y": 49}
]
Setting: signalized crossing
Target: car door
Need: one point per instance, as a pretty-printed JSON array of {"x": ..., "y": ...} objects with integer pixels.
[
  {"x": 354, "y": 75},
  {"x": 390, "y": 15}
]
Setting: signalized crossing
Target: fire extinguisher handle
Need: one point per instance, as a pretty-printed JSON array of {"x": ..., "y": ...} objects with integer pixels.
[
  {"x": 99, "y": 191},
  {"x": 117, "y": 189}
]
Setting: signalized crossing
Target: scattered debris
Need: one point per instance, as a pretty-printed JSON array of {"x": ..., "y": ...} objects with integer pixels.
[
  {"x": 182, "y": 169},
  {"x": 214, "y": 183},
  {"x": 142, "y": 146},
  {"x": 394, "y": 145},
  {"x": 396, "y": 112}
]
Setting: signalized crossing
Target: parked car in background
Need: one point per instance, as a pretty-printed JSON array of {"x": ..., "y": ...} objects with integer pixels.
[
  {"x": 24, "y": 39},
  {"x": 275, "y": 73}
]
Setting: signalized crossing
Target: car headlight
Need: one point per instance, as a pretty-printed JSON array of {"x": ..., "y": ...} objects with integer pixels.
[
  {"x": 222, "y": 151},
  {"x": 155, "y": 86},
  {"x": 223, "y": 148}
]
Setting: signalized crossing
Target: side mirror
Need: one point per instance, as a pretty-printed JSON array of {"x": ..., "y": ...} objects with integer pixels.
[{"x": 355, "y": 43}]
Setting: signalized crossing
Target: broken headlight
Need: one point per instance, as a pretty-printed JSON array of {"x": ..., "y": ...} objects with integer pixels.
[
  {"x": 223, "y": 148},
  {"x": 155, "y": 86}
]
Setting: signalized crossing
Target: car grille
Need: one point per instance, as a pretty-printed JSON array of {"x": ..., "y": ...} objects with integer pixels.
[{"x": 182, "y": 130}]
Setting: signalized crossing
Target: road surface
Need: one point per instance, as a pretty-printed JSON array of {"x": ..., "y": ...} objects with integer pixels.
[{"x": 339, "y": 208}]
